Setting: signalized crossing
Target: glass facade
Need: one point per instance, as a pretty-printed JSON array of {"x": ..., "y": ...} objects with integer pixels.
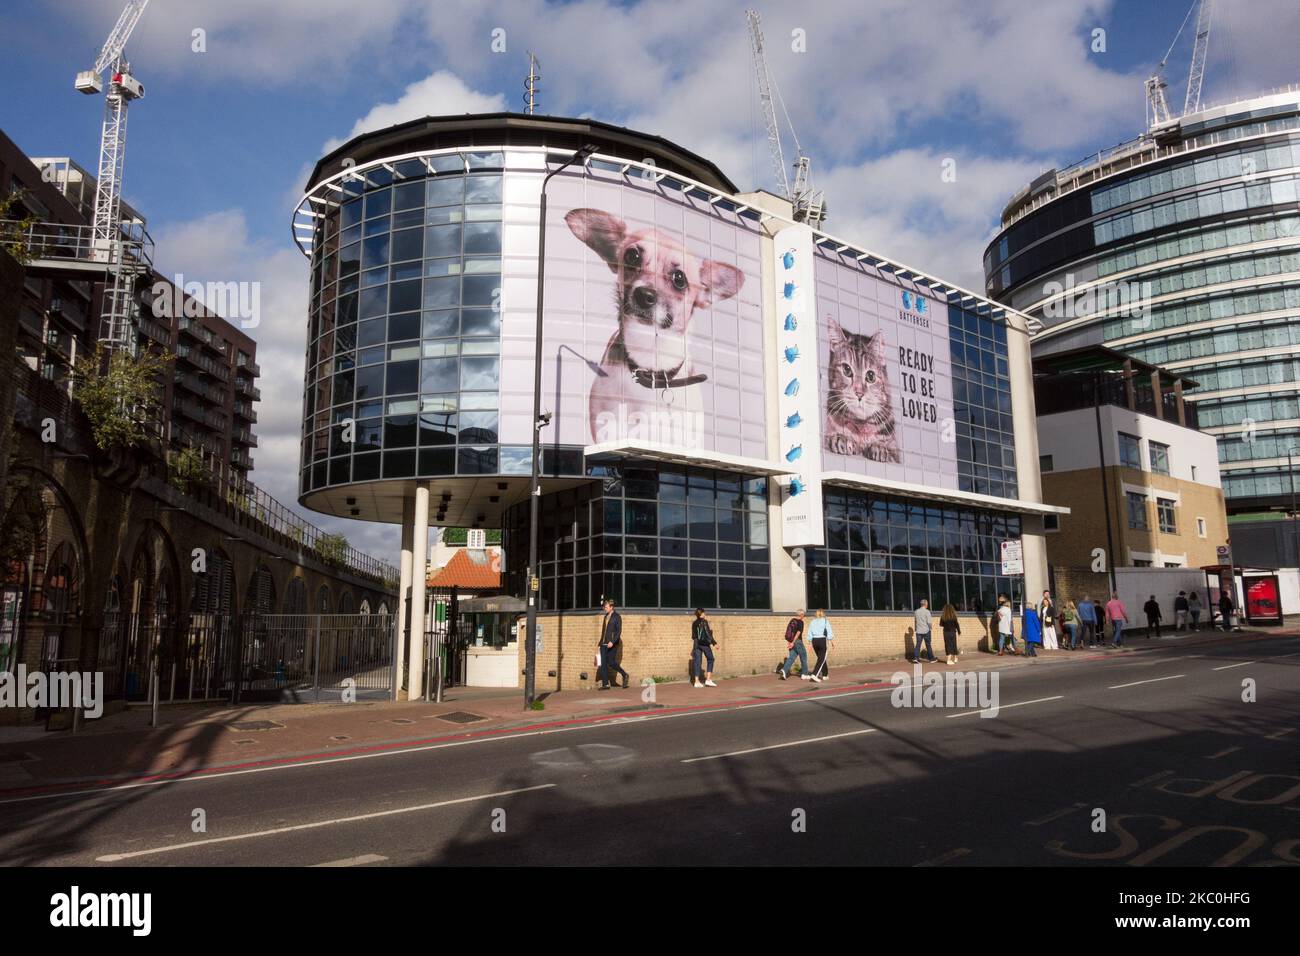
[
  {"x": 1206, "y": 233},
  {"x": 885, "y": 553},
  {"x": 981, "y": 385},
  {"x": 648, "y": 536},
  {"x": 404, "y": 351}
]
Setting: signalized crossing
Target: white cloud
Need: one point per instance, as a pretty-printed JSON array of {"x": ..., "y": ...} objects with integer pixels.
[
  {"x": 219, "y": 248},
  {"x": 439, "y": 94}
]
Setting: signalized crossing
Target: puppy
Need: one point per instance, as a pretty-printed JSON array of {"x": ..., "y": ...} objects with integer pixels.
[{"x": 646, "y": 368}]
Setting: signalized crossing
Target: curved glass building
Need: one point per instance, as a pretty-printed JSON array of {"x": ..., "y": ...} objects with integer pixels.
[
  {"x": 739, "y": 412},
  {"x": 1182, "y": 249}
]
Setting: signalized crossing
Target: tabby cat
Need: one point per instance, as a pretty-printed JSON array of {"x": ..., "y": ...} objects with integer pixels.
[{"x": 859, "y": 408}]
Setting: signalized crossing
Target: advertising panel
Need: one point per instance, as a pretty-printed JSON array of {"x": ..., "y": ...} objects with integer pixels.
[
  {"x": 653, "y": 322},
  {"x": 886, "y": 381},
  {"x": 791, "y": 270}
]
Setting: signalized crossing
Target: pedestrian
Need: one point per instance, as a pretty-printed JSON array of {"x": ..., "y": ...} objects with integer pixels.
[
  {"x": 1117, "y": 614},
  {"x": 1152, "y": 610},
  {"x": 611, "y": 647},
  {"x": 923, "y": 625},
  {"x": 1194, "y": 609},
  {"x": 703, "y": 643},
  {"x": 794, "y": 645},
  {"x": 1180, "y": 611},
  {"x": 1070, "y": 621},
  {"x": 1033, "y": 631},
  {"x": 1088, "y": 621},
  {"x": 1006, "y": 626},
  {"x": 1047, "y": 615},
  {"x": 951, "y": 628},
  {"x": 1226, "y": 608},
  {"x": 822, "y": 637}
]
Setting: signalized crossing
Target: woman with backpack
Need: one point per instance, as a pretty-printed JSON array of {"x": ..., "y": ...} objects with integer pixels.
[
  {"x": 702, "y": 639},
  {"x": 951, "y": 628}
]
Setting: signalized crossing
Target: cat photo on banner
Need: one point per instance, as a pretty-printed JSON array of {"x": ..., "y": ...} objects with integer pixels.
[{"x": 859, "y": 404}]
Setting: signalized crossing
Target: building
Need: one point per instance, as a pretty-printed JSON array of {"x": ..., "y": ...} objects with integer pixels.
[
  {"x": 110, "y": 561},
  {"x": 1181, "y": 248},
  {"x": 1118, "y": 444},
  {"x": 740, "y": 413}
]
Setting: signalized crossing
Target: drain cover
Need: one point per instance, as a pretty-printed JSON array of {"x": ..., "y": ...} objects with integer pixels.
[
  {"x": 15, "y": 758},
  {"x": 461, "y": 717},
  {"x": 257, "y": 725}
]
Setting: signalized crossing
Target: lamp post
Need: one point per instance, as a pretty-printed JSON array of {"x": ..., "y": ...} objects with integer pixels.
[
  {"x": 533, "y": 583},
  {"x": 1295, "y": 516}
]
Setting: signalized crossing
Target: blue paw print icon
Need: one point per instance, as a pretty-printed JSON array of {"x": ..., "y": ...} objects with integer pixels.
[
  {"x": 788, "y": 291},
  {"x": 796, "y": 486},
  {"x": 787, "y": 260},
  {"x": 792, "y": 354}
]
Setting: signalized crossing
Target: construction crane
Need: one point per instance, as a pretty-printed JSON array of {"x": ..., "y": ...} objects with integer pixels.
[
  {"x": 123, "y": 87},
  {"x": 1156, "y": 85},
  {"x": 809, "y": 204}
]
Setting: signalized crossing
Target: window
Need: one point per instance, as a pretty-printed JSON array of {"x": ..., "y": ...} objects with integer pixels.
[
  {"x": 1044, "y": 462},
  {"x": 1165, "y": 513},
  {"x": 1137, "y": 511},
  {"x": 1141, "y": 564},
  {"x": 1172, "y": 564},
  {"x": 1200, "y": 527},
  {"x": 1051, "y": 522},
  {"x": 1130, "y": 451},
  {"x": 1159, "y": 457}
]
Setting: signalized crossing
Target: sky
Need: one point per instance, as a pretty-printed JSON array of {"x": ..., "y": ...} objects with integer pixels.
[{"x": 922, "y": 117}]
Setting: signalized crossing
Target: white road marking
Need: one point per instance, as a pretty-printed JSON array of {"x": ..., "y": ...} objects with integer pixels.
[
  {"x": 355, "y": 860},
  {"x": 1002, "y": 707},
  {"x": 1054, "y": 816},
  {"x": 792, "y": 743},
  {"x": 257, "y": 834},
  {"x": 1151, "y": 779},
  {"x": 1222, "y": 753},
  {"x": 1281, "y": 733},
  {"x": 1154, "y": 680},
  {"x": 1228, "y": 667}
]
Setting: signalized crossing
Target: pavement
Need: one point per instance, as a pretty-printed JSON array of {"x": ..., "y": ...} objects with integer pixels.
[{"x": 1186, "y": 746}]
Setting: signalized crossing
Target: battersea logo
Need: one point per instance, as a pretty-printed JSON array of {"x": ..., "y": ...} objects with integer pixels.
[
  {"x": 914, "y": 303},
  {"x": 915, "y": 310}
]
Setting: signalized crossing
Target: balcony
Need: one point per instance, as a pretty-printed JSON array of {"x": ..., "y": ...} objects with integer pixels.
[
  {"x": 246, "y": 388},
  {"x": 245, "y": 411},
  {"x": 154, "y": 331},
  {"x": 244, "y": 436},
  {"x": 191, "y": 382},
  {"x": 206, "y": 362},
  {"x": 241, "y": 459},
  {"x": 242, "y": 361},
  {"x": 215, "y": 420},
  {"x": 187, "y": 409},
  {"x": 193, "y": 328}
]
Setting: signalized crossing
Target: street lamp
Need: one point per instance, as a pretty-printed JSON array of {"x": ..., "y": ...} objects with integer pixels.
[
  {"x": 1295, "y": 528},
  {"x": 540, "y": 421}
]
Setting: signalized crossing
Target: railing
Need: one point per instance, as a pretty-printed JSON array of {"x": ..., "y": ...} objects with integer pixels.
[
  {"x": 246, "y": 411},
  {"x": 55, "y": 240}
]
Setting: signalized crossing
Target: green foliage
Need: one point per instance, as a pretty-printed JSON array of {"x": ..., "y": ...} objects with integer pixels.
[
  {"x": 456, "y": 537},
  {"x": 186, "y": 469},
  {"x": 121, "y": 397},
  {"x": 332, "y": 548},
  {"x": 11, "y": 233},
  {"x": 538, "y": 705},
  {"x": 20, "y": 518}
]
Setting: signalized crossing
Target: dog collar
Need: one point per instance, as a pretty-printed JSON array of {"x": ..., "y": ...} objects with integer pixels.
[{"x": 658, "y": 378}]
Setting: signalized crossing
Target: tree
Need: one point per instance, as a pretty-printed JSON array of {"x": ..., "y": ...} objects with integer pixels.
[
  {"x": 120, "y": 396},
  {"x": 186, "y": 469},
  {"x": 12, "y": 230},
  {"x": 332, "y": 548}
]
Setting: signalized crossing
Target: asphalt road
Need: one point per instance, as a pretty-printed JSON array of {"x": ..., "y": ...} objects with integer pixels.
[{"x": 1141, "y": 759}]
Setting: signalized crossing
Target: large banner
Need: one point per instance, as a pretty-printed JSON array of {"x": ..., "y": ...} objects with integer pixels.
[
  {"x": 653, "y": 323},
  {"x": 886, "y": 380},
  {"x": 791, "y": 270}
]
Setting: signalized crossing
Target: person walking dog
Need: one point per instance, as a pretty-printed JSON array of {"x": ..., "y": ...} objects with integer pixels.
[
  {"x": 702, "y": 639},
  {"x": 794, "y": 644},
  {"x": 822, "y": 637}
]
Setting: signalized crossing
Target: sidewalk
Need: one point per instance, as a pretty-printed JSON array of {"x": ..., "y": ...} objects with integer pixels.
[{"x": 194, "y": 737}]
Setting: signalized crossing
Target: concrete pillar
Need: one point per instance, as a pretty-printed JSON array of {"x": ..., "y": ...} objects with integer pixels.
[
  {"x": 419, "y": 590},
  {"x": 403, "y": 586},
  {"x": 1024, "y": 423}
]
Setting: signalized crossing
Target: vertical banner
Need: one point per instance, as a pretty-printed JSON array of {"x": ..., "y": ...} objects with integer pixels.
[{"x": 799, "y": 422}]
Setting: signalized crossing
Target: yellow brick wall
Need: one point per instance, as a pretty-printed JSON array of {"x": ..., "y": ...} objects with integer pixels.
[{"x": 658, "y": 644}]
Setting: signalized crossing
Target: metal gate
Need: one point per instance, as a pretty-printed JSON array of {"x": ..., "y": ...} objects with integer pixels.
[{"x": 317, "y": 657}]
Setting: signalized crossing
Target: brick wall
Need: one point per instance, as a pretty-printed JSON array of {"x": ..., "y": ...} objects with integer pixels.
[{"x": 658, "y": 644}]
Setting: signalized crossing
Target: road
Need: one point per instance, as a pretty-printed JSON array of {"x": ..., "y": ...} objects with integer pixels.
[{"x": 1139, "y": 759}]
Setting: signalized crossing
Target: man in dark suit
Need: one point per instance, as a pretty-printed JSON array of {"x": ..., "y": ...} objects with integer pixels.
[{"x": 611, "y": 647}]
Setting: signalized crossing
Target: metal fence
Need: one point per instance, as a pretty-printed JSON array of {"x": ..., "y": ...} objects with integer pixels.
[{"x": 321, "y": 657}]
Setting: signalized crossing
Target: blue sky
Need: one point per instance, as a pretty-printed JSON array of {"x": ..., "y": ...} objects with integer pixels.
[{"x": 886, "y": 91}]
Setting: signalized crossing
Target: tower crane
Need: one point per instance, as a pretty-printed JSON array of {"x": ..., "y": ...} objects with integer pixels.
[
  {"x": 809, "y": 204},
  {"x": 1156, "y": 85},
  {"x": 123, "y": 87}
]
